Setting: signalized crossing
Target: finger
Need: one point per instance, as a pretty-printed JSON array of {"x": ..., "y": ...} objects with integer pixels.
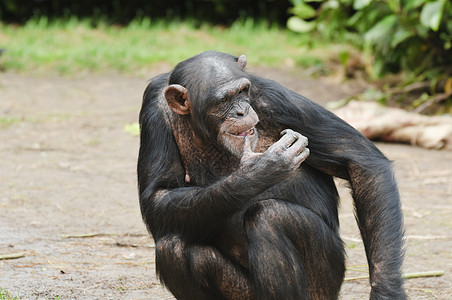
[
  {"x": 284, "y": 142},
  {"x": 302, "y": 156},
  {"x": 247, "y": 149},
  {"x": 288, "y": 138},
  {"x": 286, "y": 131},
  {"x": 298, "y": 146}
]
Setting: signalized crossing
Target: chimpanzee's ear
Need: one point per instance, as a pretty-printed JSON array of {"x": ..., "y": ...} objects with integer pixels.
[
  {"x": 177, "y": 98},
  {"x": 241, "y": 61}
]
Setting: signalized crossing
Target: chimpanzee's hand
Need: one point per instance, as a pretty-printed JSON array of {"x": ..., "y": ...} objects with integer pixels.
[{"x": 280, "y": 160}]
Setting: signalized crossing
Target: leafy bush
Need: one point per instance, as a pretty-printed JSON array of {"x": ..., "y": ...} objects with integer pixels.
[{"x": 412, "y": 35}]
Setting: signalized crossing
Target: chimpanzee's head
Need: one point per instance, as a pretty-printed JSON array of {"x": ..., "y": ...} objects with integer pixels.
[{"x": 213, "y": 91}]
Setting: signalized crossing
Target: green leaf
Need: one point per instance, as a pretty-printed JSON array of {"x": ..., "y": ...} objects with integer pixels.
[
  {"x": 411, "y": 4},
  {"x": 359, "y": 4},
  {"x": 298, "y": 25},
  {"x": 303, "y": 11},
  {"x": 378, "y": 68},
  {"x": 401, "y": 35},
  {"x": 343, "y": 57},
  {"x": 331, "y": 4},
  {"x": 432, "y": 14},
  {"x": 381, "y": 29},
  {"x": 394, "y": 5},
  {"x": 353, "y": 20},
  {"x": 423, "y": 98}
]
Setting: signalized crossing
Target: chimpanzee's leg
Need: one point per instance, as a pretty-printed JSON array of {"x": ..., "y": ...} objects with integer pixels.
[
  {"x": 199, "y": 272},
  {"x": 292, "y": 253}
]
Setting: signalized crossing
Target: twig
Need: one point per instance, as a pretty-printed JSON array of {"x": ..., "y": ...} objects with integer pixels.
[
  {"x": 435, "y": 273},
  {"x": 425, "y": 291},
  {"x": 423, "y": 85},
  {"x": 12, "y": 256},
  {"x": 408, "y": 237},
  {"x": 356, "y": 278},
  {"x": 428, "y": 237},
  {"x": 433, "y": 100},
  {"x": 53, "y": 265},
  {"x": 119, "y": 244},
  {"x": 86, "y": 235}
]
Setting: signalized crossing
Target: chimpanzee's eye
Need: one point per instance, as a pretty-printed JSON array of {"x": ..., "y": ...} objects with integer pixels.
[
  {"x": 226, "y": 98},
  {"x": 244, "y": 90}
]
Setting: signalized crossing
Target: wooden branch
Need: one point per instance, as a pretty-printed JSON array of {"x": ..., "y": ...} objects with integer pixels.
[
  {"x": 416, "y": 86},
  {"x": 86, "y": 235},
  {"x": 434, "y": 273},
  {"x": 12, "y": 255},
  {"x": 433, "y": 100}
]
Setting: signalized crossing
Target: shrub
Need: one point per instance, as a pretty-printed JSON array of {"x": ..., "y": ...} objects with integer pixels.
[{"x": 411, "y": 35}]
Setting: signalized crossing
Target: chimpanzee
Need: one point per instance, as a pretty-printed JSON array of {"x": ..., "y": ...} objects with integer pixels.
[{"x": 239, "y": 206}]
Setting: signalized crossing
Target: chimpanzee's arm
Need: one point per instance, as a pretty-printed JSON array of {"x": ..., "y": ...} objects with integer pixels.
[
  {"x": 351, "y": 156},
  {"x": 339, "y": 150},
  {"x": 195, "y": 212}
]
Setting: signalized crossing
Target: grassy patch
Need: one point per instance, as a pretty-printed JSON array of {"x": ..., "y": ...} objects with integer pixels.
[
  {"x": 71, "y": 46},
  {"x": 6, "y": 122},
  {"x": 4, "y": 295}
]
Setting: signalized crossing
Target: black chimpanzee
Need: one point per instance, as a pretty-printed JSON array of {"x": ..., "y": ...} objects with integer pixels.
[{"x": 234, "y": 212}]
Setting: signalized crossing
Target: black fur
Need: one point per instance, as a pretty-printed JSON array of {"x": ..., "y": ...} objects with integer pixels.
[{"x": 252, "y": 235}]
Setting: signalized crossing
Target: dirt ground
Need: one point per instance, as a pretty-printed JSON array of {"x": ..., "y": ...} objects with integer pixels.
[{"x": 69, "y": 204}]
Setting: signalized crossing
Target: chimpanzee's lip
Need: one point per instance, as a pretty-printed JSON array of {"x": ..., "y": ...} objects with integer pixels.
[{"x": 250, "y": 132}]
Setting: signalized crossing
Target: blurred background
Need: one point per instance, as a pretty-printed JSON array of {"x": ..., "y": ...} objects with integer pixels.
[{"x": 402, "y": 47}]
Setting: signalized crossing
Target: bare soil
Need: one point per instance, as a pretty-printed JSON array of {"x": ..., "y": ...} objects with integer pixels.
[{"x": 69, "y": 204}]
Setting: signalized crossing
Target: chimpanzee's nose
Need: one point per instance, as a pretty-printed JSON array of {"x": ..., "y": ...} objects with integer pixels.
[{"x": 241, "y": 110}]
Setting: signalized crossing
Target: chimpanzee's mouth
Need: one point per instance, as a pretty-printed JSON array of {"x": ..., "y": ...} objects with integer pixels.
[{"x": 249, "y": 132}]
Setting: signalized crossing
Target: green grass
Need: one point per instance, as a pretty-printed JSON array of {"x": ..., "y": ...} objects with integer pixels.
[
  {"x": 73, "y": 46},
  {"x": 4, "y": 295},
  {"x": 6, "y": 122}
]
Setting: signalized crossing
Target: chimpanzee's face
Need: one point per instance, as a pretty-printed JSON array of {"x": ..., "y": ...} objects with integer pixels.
[
  {"x": 216, "y": 97},
  {"x": 231, "y": 117}
]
